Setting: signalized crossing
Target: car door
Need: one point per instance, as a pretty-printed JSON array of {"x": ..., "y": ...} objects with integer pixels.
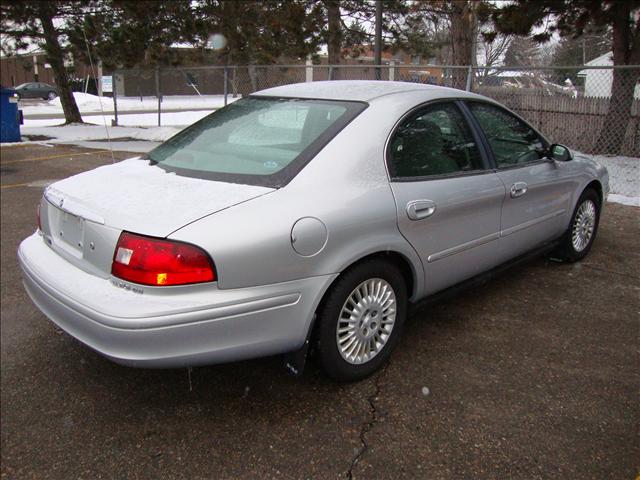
[
  {"x": 448, "y": 201},
  {"x": 537, "y": 193},
  {"x": 28, "y": 91}
]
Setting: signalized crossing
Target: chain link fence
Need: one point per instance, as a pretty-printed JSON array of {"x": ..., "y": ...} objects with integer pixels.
[{"x": 592, "y": 109}]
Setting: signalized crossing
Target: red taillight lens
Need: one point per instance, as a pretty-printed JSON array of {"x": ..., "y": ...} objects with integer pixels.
[{"x": 153, "y": 261}]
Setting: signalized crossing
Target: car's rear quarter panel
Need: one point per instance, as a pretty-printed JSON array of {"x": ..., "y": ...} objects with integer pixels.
[{"x": 345, "y": 186}]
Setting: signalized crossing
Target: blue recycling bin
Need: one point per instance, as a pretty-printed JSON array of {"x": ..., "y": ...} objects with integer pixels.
[{"x": 9, "y": 116}]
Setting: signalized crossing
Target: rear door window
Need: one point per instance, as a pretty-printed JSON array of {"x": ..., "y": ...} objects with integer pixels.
[{"x": 436, "y": 140}]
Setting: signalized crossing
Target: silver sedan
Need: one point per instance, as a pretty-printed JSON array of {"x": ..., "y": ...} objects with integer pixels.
[{"x": 308, "y": 215}]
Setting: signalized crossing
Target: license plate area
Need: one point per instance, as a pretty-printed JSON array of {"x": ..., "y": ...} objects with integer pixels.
[{"x": 68, "y": 230}]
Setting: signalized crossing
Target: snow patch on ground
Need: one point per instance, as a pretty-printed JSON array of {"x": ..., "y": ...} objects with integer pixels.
[
  {"x": 624, "y": 178},
  {"x": 623, "y": 199},
  {"x": 79, "y": 132},
  {"x": 168, "y": 119},
  {"x": 92, "y": 103},
  {"x": 624, "y": 174}
]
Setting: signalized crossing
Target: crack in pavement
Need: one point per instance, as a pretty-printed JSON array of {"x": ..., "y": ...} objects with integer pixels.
[{"x": 368, "y": 425}]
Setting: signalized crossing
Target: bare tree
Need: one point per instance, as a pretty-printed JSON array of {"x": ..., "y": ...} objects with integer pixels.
[{"x": 490, "y": 54}]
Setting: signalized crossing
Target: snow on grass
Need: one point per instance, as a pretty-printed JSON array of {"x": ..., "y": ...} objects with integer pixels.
[
  {"x": 142, "y": 136},
  {"x": 82, "y": 132},
  {"x": 624, "y": 173},
  {"x": 136, "y": 132},
  {"x": 88, "y": 103},
  {"x": 624, "y": 178},
  {"x": 623, "y": 199},
  {"x": 170, "y": 119}
]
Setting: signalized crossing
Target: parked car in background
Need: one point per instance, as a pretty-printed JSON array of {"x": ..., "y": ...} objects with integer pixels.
[
  {"x": 307, "y": 214},
  {"x": 37, "y": 90}
]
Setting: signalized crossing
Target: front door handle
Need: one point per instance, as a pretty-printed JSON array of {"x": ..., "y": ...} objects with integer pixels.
[
  {"x": 419, "y": 209},
  {"x": 518, "y": 189}
]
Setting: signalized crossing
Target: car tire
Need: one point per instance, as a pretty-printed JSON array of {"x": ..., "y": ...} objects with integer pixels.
[
  {"x": 361, "y": 320},
  {"x": 51, "y": 96},
  {"x": 579, "y": 237}
]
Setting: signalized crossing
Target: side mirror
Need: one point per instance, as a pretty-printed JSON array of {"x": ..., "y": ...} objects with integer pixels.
[{"x": 560, "y": 153}]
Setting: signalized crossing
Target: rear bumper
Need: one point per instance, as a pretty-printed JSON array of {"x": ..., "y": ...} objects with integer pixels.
[{"x": 172, "y": 327}]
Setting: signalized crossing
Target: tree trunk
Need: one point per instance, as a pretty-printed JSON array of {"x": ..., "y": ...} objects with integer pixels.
[
  {"x": 253, "y": 78},
  {"x": 55, "y": 57},
  {"x": 625, "y": 52},
  {"x": 462, "y": 17},
  {"x": 378, "y": 39},
  {"x": 334, "y": 42}
]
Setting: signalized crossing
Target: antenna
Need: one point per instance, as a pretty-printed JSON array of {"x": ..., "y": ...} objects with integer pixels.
[{"x": 104, "y": 119}]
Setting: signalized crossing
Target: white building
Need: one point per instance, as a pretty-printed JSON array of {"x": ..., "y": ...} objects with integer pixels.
[{"x": 597, "y": 82}]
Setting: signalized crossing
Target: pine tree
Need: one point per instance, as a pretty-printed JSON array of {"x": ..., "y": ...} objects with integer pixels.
[
  {"x": 522, "y": 52},
  {"x": 129, "y": 33},
  {"x": 44, "y": 24},
  {"x": 571, "y": 18}
]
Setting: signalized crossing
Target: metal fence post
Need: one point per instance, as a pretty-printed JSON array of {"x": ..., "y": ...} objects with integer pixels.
[
  {"x": 392, "y": 70},
  {"x": 469, "y": 76},
  {"x": 226, "y": 88},
  {"x": 308, "y": 71},
  {"x": 114, "y": 89},
  {"x": 158, "y": 93},
  {"x": 330, "y": 72}
]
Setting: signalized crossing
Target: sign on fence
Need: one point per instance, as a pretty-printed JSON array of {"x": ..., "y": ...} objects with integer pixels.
[{"x": 107, "y": 83}]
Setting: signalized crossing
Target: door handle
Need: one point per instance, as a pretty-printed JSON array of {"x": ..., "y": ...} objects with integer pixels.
[
  {"x": 518, "y": 189},
  {"x": 419, "y": 209}
]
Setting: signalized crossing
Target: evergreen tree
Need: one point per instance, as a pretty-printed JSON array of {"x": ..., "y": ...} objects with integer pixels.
[
  {"x": 45, "y": 24},
  {"x": 522, "y": 52},
  {"x": 571, "y": 18},
  {"x": 128, "y": 33},
  {"x": 578, "y": 51}
]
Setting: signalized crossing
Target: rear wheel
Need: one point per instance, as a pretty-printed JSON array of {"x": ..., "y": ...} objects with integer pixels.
[
  {"x": 361, "y": 320},
  {"x": 580, "y": 235},
  {"x": 51, "y": 95}
]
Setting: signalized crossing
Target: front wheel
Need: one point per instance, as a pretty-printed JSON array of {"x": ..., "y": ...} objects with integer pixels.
[
  {"x": 361, "y": 320},
  {"x": 580, "y": 235},
  {"x": 52, "y": 95}
]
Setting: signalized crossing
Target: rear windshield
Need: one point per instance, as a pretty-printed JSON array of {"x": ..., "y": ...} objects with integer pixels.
[{"x": 255, "y": 140}]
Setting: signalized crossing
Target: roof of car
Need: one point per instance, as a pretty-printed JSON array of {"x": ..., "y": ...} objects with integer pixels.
[{"x": 358, "y": 90}]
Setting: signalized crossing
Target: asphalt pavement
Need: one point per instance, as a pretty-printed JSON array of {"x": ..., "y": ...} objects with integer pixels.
[{"x": 532, "y": 375}]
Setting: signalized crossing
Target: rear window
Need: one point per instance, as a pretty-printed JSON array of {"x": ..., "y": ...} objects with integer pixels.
[{"x": 255, "y": 140}]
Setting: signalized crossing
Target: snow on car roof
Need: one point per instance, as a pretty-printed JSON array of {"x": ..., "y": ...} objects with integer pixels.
[{"x": 358, "y": 90}]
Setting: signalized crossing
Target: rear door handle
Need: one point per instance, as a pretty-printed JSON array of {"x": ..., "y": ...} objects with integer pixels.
[
  {"x": 518, "y": 189},
  {"x": 419, "y": 209}
]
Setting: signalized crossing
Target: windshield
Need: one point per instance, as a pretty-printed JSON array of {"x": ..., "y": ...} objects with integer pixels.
[{"x": 255, "y": 140}]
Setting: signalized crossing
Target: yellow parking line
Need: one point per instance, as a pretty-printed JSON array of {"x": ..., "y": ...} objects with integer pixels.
[
  {"x": 16, "y": 185},
  {"x": 38, "y": 159}
]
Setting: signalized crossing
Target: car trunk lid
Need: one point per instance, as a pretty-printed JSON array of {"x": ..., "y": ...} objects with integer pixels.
[{"x": 83, "y": 216}]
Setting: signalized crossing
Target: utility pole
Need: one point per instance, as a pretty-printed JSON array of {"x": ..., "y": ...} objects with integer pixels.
[{"x": 378, "y": 39}]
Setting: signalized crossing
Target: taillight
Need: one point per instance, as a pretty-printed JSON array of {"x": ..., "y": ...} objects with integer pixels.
[
  {"x": 38, "y": 217},
  {"x": 159, "y": 262}
]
